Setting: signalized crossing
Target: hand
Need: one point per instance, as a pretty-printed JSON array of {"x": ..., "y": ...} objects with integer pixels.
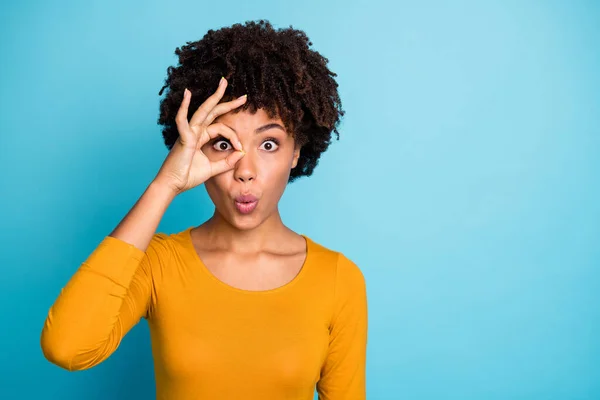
[{"x": 186, "y": 166}]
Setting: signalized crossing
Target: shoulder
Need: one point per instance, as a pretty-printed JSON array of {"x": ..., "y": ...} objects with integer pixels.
[
  {"x": 162, "y": 249},
  {"x": 347, "y": 295},
  {"x": 170, "y": 241},
  {"x": 161, "y": 243},
  {"x": 346, "y": 272},
  {"x": 349, "y": 272}
]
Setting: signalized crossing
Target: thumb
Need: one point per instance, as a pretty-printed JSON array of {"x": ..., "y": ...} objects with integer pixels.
[{"x": 227, "y": 163}]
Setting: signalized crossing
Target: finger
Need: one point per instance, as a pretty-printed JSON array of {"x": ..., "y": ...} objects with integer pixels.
[
  {"x": 224, "y": 108},
  {"x": 216, "y": 129},
  {"x": 210, "y": 103},
  {"x": 185, "y": 132},
  {"x": 227, "y": 163}
]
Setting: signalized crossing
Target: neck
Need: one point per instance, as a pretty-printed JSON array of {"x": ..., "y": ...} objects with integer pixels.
[{"x": 221, "y": 234}]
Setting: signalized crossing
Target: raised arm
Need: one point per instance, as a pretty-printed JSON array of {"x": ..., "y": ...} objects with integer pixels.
[
  {"x": 114, "y": 287},
  {"x": 111, "y": 290}
]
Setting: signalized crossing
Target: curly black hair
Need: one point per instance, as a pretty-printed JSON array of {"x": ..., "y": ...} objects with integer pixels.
[{"x": 278, "y": 71}]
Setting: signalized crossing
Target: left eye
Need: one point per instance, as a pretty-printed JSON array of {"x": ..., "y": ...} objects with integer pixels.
[{"x": 270, "y": 145}]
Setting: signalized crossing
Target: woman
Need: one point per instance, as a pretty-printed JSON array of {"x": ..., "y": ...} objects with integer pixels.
[{"x": 241, "y": 306}]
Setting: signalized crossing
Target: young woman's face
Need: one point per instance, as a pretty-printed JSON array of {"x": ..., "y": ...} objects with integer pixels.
[{"x": 263, "y": 172}]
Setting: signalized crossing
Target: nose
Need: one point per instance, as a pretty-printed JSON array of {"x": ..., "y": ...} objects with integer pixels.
[{"x": 245, "y": 169}]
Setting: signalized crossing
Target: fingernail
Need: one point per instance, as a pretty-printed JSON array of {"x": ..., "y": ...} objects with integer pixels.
[
  {"x": 241, "y": 97},
  {"x": 185, "y": 92},
  {"x": 222, "y": 80}
]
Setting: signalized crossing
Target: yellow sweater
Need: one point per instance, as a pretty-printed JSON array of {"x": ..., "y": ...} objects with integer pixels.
[{"x": 211, "y": 340}]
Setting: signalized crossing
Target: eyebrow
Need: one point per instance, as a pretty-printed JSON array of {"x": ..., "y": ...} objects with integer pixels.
[{"x": 263, "y": 128}]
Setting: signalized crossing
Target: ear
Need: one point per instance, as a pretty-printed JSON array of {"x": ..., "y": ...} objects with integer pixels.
[{"x": 296, "y": 156}]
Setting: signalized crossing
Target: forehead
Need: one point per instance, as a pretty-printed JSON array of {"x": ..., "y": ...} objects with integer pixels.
[{"x": 246, "y": 119}]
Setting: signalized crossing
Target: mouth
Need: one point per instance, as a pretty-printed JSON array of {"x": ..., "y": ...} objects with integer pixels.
[
  {"x": 246, "y": 203},
  {"x": 246, "y": 207}
]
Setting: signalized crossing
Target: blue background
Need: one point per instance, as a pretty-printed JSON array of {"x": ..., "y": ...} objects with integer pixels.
[{"x": 465, "y": 184}]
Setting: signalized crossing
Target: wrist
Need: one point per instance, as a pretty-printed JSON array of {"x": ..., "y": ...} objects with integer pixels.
[{"x": 163, "y": 190}]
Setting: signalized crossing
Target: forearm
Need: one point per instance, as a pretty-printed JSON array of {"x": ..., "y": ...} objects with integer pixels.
[{"x": 140, "y": 223}]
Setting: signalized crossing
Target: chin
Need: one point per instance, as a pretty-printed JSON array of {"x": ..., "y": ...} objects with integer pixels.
[{"x": 243, "y": 222}]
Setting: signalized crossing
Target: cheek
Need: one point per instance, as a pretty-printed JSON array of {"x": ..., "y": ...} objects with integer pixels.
[
  {"x": 274, "y": 167},
  {"x": 278, "y": 175},
  {"x": 217, "y": 188}
]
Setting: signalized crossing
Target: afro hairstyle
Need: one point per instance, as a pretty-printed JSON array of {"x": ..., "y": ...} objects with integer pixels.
[{"x": 276, "y": 69}]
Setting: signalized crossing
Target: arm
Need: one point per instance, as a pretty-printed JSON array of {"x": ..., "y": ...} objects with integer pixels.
[
  {"x": 111, "y": 290},
  {"x": 343, "y": 375}
]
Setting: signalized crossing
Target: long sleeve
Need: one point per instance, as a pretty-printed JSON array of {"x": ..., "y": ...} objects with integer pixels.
[
  {"x": 108, "y": 294},
  {"x": 343, "y": 375}
]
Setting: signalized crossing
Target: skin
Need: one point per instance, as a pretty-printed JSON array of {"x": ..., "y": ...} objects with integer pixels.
[{"x": 253, "y": 251}]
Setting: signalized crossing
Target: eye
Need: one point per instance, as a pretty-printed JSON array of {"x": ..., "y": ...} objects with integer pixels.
[
  {"x": 221, "y": 145},
  {"x": 270, "y": 143}
]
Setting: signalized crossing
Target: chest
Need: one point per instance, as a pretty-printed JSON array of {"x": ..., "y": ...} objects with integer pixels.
[
  {"x": 256, "y": 273},
  {"x": 211, "y": 340}
]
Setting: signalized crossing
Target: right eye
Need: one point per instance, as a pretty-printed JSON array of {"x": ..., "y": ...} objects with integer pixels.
[{"x": 221, "y": 145}]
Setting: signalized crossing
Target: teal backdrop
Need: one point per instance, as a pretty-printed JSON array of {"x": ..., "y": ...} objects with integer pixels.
[{"x": 465, "y": 182}]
